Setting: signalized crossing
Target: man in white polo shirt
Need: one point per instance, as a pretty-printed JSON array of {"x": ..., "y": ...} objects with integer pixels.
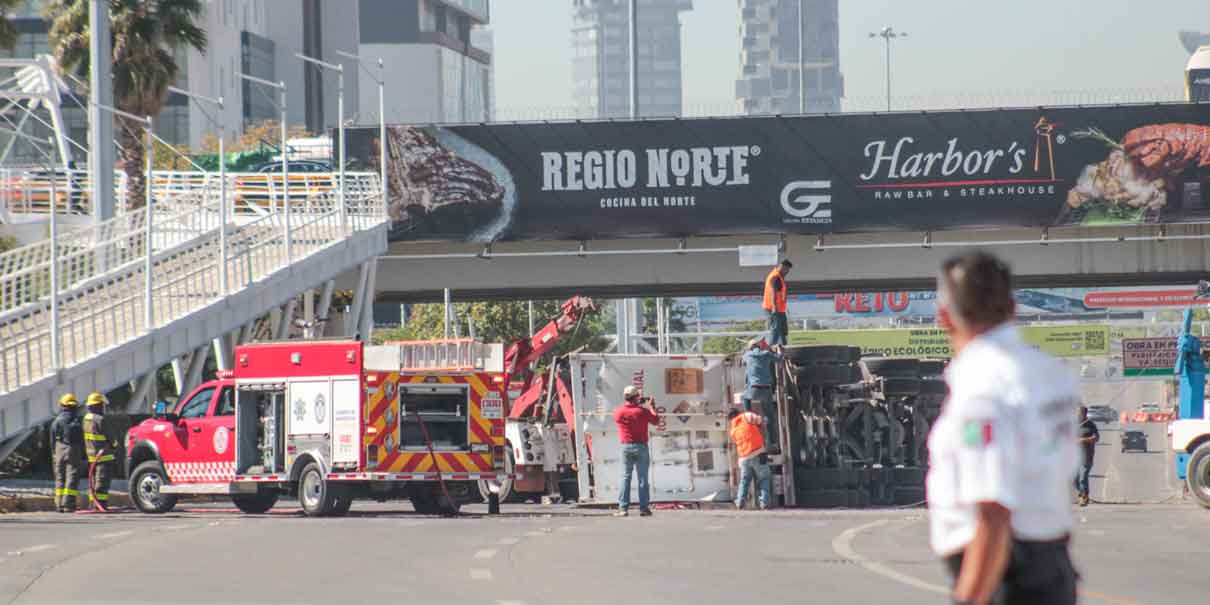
[{"x": 1003, "y": 452}]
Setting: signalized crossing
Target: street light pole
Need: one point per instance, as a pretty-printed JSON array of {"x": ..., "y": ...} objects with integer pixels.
[
  {"x": 634, "y": 59},
  {"x": 223, "y": 210},
  {"x": 382, "y": 120},
  {"x": 887, "y": 34},
  {"x": 285, "y": 165},
  {"x": 340, "y": 128},
  {"x": 802, "y": 64}
]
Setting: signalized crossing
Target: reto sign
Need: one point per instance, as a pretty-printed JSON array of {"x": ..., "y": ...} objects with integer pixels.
[{"x": 876, "y": 302}]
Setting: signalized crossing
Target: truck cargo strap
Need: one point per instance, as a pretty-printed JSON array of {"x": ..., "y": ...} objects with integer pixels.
[{"x": 419, "y": 476}]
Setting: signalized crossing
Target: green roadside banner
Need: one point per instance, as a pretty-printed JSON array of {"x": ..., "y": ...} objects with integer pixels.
[{"x": 1060, "y": 341}]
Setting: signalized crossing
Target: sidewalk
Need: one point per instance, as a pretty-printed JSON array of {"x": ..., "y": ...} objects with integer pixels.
[{"x": 31, "y": 495}]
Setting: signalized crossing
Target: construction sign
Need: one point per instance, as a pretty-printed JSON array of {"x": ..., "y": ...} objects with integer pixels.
[
  {"x": 1148, "y": 356},
  {"x": 1060, "y": 341}
]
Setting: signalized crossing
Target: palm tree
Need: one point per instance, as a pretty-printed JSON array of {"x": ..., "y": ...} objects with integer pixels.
[
  {"x": 144, "y": 32},
  {"x": 8, "y": 33}
]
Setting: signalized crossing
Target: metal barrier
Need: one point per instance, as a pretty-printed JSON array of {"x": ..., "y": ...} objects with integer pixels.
[{"x": 122, "y": 278}]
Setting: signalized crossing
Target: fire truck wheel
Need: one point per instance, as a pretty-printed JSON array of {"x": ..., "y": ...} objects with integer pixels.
[
  {"x": 503, "y": 487},
  {"x": 145, "y": 484},
  {"x": 314, "y": 493},
  {"x": 430, "y": 501},
  {"x": 255, "y": 504},
  {"x": 340, "y": 507},
  {"x": 1197, "y": 474}
]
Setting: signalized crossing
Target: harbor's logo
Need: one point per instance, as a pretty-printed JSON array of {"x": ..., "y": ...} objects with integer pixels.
[
  {"x": 222, "y": 438},
  {"x": 807, "y": 202},
  {"x": 300, "y": 409}
]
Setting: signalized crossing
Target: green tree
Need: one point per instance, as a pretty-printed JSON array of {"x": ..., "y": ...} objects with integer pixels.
[
  {"x": 503, "y": 322},
  {"x": 143, "y": 34},
  {"x": 8, "y": 33},
  {"x": 727, "y": 345}
]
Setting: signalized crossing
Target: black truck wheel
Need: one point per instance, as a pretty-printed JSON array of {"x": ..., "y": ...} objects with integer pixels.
[
  {"x": 827, "y": 374},
  {"x": 822, "y": 354},
  {"x": 145, "y": 484},
  {"x": 1197, "y": 474},
  {"x": 887, "y": 367},
  {"x": 255, "y": 504},
  {"x": 314, "y": 492}
]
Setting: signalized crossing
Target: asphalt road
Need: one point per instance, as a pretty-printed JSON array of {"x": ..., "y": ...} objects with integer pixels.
[
  {"x": 1134, "y": 477},
  {"x": 531, "y": 555}
]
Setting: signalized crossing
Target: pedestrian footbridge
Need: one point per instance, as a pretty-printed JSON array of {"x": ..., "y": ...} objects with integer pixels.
[{"x": 98, "y": 305}]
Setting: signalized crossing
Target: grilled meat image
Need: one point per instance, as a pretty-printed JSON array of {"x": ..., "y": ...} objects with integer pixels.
[{"x": 428, "y": 185}]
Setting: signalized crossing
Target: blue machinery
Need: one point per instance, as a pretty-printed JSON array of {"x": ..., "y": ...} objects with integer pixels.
[{"x": 1192, "y": 371}]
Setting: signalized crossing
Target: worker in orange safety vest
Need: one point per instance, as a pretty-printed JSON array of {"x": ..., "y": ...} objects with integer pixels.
[
  {"x": 753, "y": 461},
  {"x": 774, "y": 303}
]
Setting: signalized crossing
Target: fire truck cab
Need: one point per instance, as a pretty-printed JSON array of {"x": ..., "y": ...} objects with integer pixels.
[{"x": 330, "y": 422}]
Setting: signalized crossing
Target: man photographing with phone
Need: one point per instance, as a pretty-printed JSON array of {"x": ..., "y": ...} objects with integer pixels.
[{"x": 633, "y": 419}]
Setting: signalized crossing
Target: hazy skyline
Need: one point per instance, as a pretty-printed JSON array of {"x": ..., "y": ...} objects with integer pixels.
[{"x": 998, "y": 49}]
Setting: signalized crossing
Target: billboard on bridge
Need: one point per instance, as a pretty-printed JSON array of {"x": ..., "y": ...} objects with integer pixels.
[{"x": 805, "y": 174}]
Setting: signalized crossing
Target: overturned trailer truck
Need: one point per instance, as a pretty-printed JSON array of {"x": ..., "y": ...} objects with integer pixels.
[{"x": 851, "y": 431}]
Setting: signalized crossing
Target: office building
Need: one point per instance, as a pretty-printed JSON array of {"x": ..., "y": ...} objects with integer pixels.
[
  {"x": 769, "y": 57},
  {"x": 601, "y": 62},
  {"x": 437, "y": 66}
]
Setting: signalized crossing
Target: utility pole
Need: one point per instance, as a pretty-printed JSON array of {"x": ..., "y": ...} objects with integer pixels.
[
  {"x": 887, "y": 34},
  {"x": 634, "y": 59},
  {"x": 100, "y": 123},
  {"x": 802, "y": 63}
]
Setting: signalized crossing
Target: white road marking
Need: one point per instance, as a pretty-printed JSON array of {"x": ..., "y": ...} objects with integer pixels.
[
  {"x": 29, "y": 549},
  {"x": 486, "y": 553},
  {"x": 508, "y": 541},
  {"x": 174, "y": 527},
  {"x": 1096, "y": 532},
  {"x": 112, "y": 535},
  {"x": 843, "y": 546},
  {"x": 713, "y": 527},
  {"x": 481, "y": 574},
  {"x": 510, "y": 602},
  {"x": 536, "y": 534}
]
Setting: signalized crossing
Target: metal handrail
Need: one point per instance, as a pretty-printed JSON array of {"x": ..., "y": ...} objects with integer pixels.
[{"x": 102, "y": 291}]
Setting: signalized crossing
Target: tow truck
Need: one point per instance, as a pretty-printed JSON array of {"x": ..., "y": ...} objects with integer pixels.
[
  {"x": 331, "y": 422},
  {"x": 1190, "y": 432},
  {"x": 539, "y": 434}
]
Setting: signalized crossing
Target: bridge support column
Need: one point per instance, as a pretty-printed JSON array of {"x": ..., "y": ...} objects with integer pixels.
[
  {"x": 281, "y": 328},
  {"x": 143, "y": 399},
  {"x": 353, "y": 319},
  {"x": 325, "y": 306},
  {"x": 197, "y": 362},
  {"x": 367, "y": 309},
  {"x": 222, "y": 352}
]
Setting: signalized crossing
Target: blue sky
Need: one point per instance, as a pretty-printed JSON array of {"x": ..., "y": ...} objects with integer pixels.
[{"x": 954, "y": 46}]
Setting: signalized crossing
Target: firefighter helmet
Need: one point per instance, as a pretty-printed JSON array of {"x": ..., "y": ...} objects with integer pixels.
[
  {"x": 69, "y": 401},
  {"x": 95, "y": 399}
]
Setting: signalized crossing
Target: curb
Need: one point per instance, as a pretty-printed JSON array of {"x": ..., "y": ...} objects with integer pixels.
[{"x": 39, "y": 503}]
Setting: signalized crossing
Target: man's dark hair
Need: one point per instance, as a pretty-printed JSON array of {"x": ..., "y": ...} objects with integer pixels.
[
  {"x": 787, "y": 264},
  {"x": 732, "y": 414},
  {"x": 977, "y": 287}
]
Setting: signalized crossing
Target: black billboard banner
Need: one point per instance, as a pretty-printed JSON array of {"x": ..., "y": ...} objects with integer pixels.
[{"x": 845, "y": 173}]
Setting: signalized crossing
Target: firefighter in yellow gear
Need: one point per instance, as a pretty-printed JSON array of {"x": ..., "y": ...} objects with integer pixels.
[
  {"x": 67, "y": 454},
  {"x": 100, "y": 450}
]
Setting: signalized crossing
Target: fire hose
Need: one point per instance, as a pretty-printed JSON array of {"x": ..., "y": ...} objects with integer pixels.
[
  {"x": 92, "y": 483},
  {"x": 424, "y": 431}
]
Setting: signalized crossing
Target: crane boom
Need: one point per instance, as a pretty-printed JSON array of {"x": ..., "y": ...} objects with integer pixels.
[{"x": 525, "y": 352}]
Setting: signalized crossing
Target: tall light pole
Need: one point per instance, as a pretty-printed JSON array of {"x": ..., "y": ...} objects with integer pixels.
[
  {"x": 285, "y": 163},
  {"x": 633, "y": 11},
  {"x": 887, "y": 34},
  {"x": 340, "y": 128},
  {"x": 100, "y": 123},
  {"x": 222, "y": 180},
  {"x": 802, "y": 64},
  {"x": 382, "y": 120}
]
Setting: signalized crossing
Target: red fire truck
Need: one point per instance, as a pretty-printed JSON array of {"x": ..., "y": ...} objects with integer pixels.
[{"x": 330, "y": 422}]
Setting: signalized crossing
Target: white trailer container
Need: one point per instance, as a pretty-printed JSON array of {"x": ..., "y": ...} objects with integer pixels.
[{"x": 690, "y": 452}]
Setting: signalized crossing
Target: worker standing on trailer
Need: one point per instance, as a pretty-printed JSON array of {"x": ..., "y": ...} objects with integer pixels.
[
  {"x": 774, "y": 303},
  {"x": 67, "y": 439},
  {"x": 634, "y": 418},
  {"x": 100, "y": 450},
  {"x": 759, "y": 362},
  {"x": 753, "y": 461},
  {"x": 1003, "y": 452},
  {"x": 1089, "y": 436}
]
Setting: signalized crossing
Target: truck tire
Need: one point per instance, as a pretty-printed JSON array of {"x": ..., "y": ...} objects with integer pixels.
[
  {"x": 314, "y": 492},
  {"x": 887, "y": 367},
  {"x": 502, "y": 487},
  {"x": 934, "y": 386},
  {"x": 145, "y": 484},
  {"x": 1197, "y": 474},
  {"x": 931, "y": 367},
  {"x": 255, "y": 504},
  {"x": 342, "y": 504},
  {"x": 430, "y": 501},
  {"x": 827, "y": 374},
  {"x": 822, "y": 354},
  {"x": 900, "y": 387}
]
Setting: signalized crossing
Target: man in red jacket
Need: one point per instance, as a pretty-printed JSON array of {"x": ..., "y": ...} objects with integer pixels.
[{"x": 633, "y": 419}]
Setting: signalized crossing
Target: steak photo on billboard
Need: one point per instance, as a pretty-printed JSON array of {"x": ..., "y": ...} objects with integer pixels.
[{"x": 814, "y": 174}]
